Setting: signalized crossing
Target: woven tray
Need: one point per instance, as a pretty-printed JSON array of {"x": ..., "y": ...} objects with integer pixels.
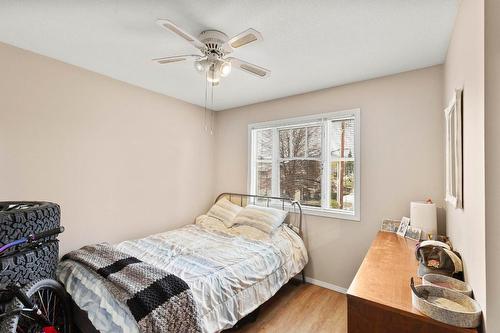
[
  {"x": 448, "y": 306},
  {"x": 447, "y": 282}
]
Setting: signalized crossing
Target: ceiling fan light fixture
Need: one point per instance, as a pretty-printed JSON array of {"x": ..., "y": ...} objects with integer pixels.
[
  {"x": 199, "y": 66},
  {"x": 213, "y": 74},
  {"x": 214, "y": 80},
  {"x": 225, "y": 68},
  {"x": 202, "y": 65}
]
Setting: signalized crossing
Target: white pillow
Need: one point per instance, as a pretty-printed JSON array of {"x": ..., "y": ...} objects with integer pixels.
[
  {"x": 225, "y": 211},
  {"x": 263, "y": 218},
  {"x": 210, "y": 223}
]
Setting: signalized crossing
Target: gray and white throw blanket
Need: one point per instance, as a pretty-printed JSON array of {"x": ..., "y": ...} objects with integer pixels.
[{"x": 159, "y": 301}]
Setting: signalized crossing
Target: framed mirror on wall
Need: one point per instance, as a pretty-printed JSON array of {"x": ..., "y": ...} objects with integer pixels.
[{"x": 453, "y": 123}]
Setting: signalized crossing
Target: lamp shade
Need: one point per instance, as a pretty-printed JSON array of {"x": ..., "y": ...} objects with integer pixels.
[{"x": 424, "y": 216}]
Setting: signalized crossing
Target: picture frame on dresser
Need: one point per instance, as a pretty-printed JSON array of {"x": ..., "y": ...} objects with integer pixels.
[
  {"x": 413, "y": 233},
  {"x": 405, "y": 222},
  {"x": 453, "y": 150},
  {"x": 389, "y": 225}
]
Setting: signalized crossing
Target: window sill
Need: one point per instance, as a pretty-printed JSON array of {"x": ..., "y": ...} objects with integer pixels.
[
  {"x": 317, "y": 211},
  {"x": 331, "y": 213}
]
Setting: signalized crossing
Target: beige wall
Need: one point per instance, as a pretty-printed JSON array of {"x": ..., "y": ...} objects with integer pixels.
[
  {"x": 401, "y": 122},
  {"x": 464, "y": 68},
  {"x": 121, "y": 161},
  {"x": 492, "y": 121}
]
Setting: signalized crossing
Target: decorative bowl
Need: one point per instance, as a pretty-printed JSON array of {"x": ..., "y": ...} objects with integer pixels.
[
  {"x": 444, "y": 281},
  {"x": 447, "y": 306}
]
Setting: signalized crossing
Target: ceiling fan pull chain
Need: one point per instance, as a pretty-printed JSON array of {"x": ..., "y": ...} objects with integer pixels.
[
  {"x": 212, "y": 116},
  {"x": 213, "y": 122},
  {"x": 205, "y": 120}
]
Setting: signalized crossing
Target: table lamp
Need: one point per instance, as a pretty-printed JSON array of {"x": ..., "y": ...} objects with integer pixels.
[{"x": 423, "y": 215}]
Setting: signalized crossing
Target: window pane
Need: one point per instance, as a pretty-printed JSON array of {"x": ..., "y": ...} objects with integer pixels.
[
  {"x": 264, "y": 141},
  {"x": 342, "y": 138},
  {"x": 292, "y": 142},
  {"x": 314, "y": 142},
  {"x": 342, "y": 193},
  {"x": 299, "y": 142},
  {"x": 301, "y": 180},
  {"x": 264, "y": 178},
  {"x": 284, "y": 138},
  {"x": 342, "y": 164}
]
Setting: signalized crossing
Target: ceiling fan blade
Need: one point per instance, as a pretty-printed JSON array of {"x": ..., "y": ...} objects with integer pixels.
[
  {"x": 249, "y": 68},
  {"x": 167, "y": 60},
  {"x": 169, "y": 25},
  {"x": 246, "y": 37}
]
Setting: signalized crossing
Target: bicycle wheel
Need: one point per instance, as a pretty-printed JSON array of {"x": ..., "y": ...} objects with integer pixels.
[{"x": 51, "y": 299}]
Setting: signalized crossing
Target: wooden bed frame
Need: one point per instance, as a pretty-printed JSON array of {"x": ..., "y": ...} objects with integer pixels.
[{"x": 81, "y": 321}]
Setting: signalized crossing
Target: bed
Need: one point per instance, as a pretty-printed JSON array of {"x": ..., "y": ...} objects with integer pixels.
[{"x": 231, "y": 271}]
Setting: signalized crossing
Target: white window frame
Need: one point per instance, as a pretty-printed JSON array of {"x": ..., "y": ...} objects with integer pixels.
[{"x": 325, "y": 211}]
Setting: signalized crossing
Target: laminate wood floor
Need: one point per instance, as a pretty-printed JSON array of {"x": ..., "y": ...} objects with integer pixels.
[{"x": 301, "y": 308}]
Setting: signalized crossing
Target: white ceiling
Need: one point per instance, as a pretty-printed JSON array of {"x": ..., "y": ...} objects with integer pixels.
[{"x": 308, "y": 45}]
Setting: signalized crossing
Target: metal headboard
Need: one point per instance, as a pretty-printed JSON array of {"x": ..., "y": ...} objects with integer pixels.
[{"x": 294, "y": 220}]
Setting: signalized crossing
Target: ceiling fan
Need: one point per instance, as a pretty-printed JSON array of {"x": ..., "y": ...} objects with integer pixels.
[{"x": 214, "y": 46}]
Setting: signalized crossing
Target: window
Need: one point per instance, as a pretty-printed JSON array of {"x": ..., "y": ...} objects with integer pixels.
[{"x": 312, "y": 159}]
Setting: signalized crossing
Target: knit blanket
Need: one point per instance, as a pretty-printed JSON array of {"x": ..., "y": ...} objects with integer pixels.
[{"x": 159, "y": 301}]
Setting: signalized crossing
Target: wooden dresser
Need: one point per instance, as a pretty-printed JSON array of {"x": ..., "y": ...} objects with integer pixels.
[{"x": 379, "y": 298}]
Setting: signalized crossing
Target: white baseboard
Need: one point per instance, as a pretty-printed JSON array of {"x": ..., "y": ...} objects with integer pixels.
[{"x": 326, "y": 285}]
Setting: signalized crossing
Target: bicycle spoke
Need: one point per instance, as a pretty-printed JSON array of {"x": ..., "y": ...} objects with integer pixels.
[
  {"x": 28, "y": 316},
  {"x": 48, "y": 296},
  {"x": 54, "y": 302},
  {"x": 40, "y": 298},
  {"x": 42, "y": 304},
  {"x": 48, "y": 306}
]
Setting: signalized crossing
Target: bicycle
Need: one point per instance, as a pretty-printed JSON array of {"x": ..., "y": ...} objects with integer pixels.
[{"x": 39, "y": 307}]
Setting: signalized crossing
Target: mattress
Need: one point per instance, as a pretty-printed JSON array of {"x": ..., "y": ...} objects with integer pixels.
[{"x": 231, "y": 272}]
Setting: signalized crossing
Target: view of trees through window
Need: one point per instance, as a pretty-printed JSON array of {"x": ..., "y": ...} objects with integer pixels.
[
  {"x": 306, "y": 158},
  {"x": 300, "y": 164},
  {"x": 264, "y": 162}
]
